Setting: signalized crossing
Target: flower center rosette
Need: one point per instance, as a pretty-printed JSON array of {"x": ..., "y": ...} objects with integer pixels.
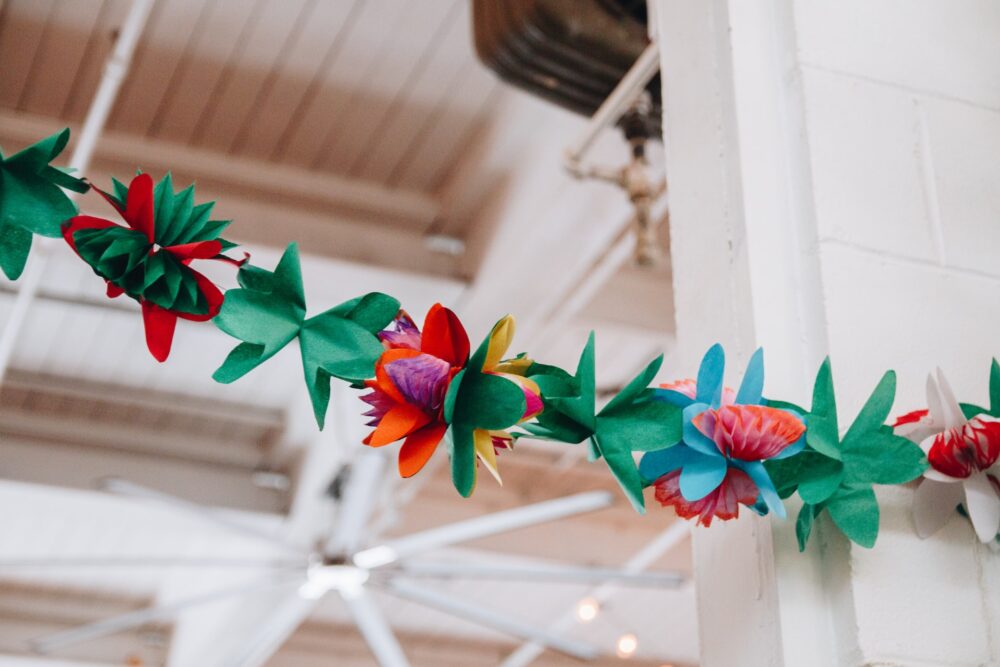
[
  {"x": 427, "y": 389},
  {"x": 718, "y": 464},
  {"x": 149, "y": 257}
]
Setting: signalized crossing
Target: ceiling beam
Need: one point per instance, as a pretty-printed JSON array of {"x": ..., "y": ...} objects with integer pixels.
[{"x": 274, "y": 204}]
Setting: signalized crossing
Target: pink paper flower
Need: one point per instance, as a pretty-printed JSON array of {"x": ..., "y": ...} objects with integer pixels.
[{"x": 724, "y": 502}]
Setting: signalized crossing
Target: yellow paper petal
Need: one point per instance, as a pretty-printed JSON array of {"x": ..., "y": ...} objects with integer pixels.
[
  {"x": 517, "y": 366},
  {"x": 500, "y": 340},
  {"x": 484, "y": 449}
]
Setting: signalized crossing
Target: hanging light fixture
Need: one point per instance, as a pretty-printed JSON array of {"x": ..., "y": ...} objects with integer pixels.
[
  {"x": 587, "y": 610},
  {"x": 626, "y": 646}
]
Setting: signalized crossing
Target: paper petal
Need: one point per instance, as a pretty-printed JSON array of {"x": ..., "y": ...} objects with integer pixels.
[
  {"x": 160, "y": 325},
  {"x": 483, "y": 442},
  {"x": 418, "y": 448},
  {"x": 983, "y": 506},
  {"x": 701, "y": 476},
  {"x": 710, "y": 376},
  {"x": 758, "y": 473},
  {"x": 752, "y": 387}
]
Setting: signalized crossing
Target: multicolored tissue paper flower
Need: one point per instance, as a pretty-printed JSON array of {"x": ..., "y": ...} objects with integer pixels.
[
  {"x": 268, "y": 312},
  {"x": 963, "y": 453},
  {"x": 150, "y": 258},
  {"x": 411, "y": 380},
  {"x": 483, "y": 400},
  {"x": 32, "y": 200},
  {"x": 836, "y": 474},
  {"x": 630, "y": 422},
  {"x": 718, "y": 464}
]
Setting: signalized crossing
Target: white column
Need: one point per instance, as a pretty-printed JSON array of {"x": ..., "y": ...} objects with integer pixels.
[
  {"x": 833, "y": 190},
  {"x": 731, "y": 234}
]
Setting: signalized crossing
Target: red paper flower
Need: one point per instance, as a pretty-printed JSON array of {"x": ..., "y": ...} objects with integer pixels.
[
  {"x": 150, "y": 258},
  {"x": 411, "y": 380}
]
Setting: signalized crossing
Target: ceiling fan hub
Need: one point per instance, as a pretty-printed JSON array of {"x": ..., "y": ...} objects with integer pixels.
[{"x": 347, "y": 580}]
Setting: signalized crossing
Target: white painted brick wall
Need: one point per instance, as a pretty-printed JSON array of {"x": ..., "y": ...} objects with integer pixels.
[{"x": 902, "y": 104}]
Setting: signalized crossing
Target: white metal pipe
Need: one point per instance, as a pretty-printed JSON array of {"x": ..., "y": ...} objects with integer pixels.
[
  {"x": 625, "y": 93},
  {"x": 494, "y": 620},
  {"x": 483, "y": 526},
  {"x": 645, "y": 557},
  {"x": 115, "y": 71}
]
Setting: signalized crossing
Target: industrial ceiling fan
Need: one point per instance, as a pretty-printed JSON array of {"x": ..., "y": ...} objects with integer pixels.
[{"x": 345, "y": 567}]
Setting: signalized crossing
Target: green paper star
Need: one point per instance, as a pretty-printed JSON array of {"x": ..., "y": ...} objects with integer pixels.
[
  {"x": 478, "y": 401},
  {"x": 633, "y": 421},
  {"x": 32, "y": 200},
  {"x": 836, "y": 474},
  {"x": 270, "y": 311}
]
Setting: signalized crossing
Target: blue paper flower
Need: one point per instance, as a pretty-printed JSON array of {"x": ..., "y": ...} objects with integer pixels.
[{"x": 718, "y": 464}]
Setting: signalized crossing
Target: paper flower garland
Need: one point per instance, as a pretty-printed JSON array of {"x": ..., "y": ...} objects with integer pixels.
[
  {"x": 706, "y": 449},
  {"x": 836, "y": 474},
  {"x": 32, "y": 200},
  {"x": 631, "y": 422},
  {"x": 963, "y": 453},
  {"x": 150, "y": 258},
  {"x": 269, "y": 311},
  {"x": 717, "y": 464},
  {"x": 411, "y": 379}
]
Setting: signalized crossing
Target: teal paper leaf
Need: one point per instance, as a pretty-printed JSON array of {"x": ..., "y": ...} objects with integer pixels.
[
  {"x": 835, "y": 474},
  {"x": 268, "y": 311},
  {"x": 32, "y": 200}
]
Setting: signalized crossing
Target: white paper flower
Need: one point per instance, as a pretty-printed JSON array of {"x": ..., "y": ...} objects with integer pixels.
[{"x": 963, "y": 468}]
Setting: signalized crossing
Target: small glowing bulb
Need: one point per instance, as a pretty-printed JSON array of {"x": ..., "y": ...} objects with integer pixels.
[
  {"x": 627, "y": 645},
  {"x": 587, "y": 609}
]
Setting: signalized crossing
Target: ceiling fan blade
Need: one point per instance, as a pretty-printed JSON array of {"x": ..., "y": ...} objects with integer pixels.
[
  {"x": 358, "y": 502},
  {"x": 374, "y": 628},
  {"x": 57, "y": 640},
  {"x": 281, "y": 625},
  {"x": 483, "y": 526},
  {"x": 43, "y": 562},
  {"x": 122, "y": 487},
  {"x": 490, "y": 619},
  {"x": 542, "y": 572}
]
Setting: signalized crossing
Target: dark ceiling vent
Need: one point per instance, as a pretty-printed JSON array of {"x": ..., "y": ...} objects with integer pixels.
[{"x": 570, "y": 52}]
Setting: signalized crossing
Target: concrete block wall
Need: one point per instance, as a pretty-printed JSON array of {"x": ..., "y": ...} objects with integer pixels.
[{"x": 902, "y": 108}]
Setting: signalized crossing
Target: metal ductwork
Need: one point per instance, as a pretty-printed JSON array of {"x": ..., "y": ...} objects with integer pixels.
[{"x": 570, "y": 52}]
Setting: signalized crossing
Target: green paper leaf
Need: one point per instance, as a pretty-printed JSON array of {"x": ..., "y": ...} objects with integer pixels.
[
  {"x": 623, "y": 468},
  {"x": 463, "y": 460},
  {"x": 970, "y": 410},
  {"x": 784, "y": 405},
  {"x": 822, "y": 480},
  {"x": 634, "y": 421},
  {"x": 635, "y": 387},
  {"x": 855, "y": 512},
  {"x": 822, "y": 436},
  {"x": 15, "y": 244},
  {"x": 268, "y": 312},
  {"x": 995, "y": 388},
  {"x": 569, "y": 400},
  {"x": 646, "y": 426},
  {"x": 880, "y": 457},
  {"x": 489, "y": 401},
  {"x": 32, "y": 200},
  {"x": 804, "y": 525},
  {"x": 876, "y": 409}
]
